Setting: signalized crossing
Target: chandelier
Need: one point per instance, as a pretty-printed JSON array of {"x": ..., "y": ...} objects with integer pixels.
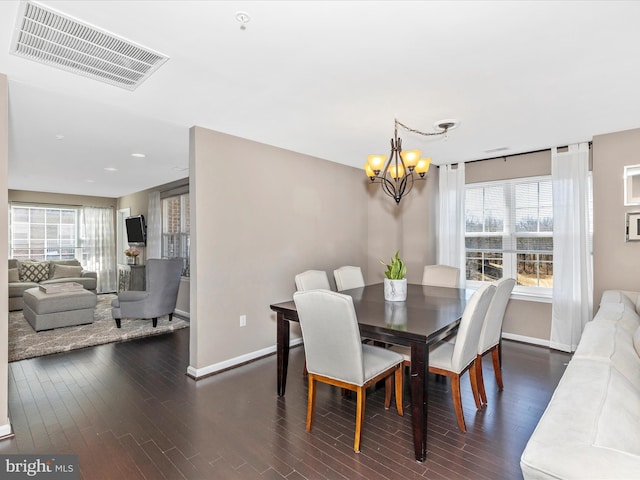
[{"x": 397, "y": 174}]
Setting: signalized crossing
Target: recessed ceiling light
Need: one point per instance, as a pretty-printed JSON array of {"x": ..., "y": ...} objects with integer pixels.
[
  {"x": 181, "y": 169},
  {"x": 59, "y": 137},
  {"x": 88, "y": 180},
  {"x": 111, "y": 169},
  {"x": 138, "y": 155}
]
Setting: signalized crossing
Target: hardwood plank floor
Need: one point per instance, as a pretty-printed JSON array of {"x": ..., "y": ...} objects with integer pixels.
[{"x": 129, "y": 412}]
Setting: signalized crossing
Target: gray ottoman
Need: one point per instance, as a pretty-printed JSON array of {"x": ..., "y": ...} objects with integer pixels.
[{"x": 45, "y": 311}]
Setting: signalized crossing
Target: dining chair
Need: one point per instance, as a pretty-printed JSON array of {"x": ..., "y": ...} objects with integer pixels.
[
  {"x": 335, "y": 355},
  {"x": 312, "y": 280},
  {"x": 492, "y": 332},
  {"x": 348, "y": 277},
  {"x": 454, "y": 359},
  {"x": 441, "y": 276}
]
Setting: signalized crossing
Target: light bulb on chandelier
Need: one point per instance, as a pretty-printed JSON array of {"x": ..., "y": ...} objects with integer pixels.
[{"x": 397, "y": 173}]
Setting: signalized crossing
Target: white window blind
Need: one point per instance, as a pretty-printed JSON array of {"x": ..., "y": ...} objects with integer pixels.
[{"x": 509, "y": 232}]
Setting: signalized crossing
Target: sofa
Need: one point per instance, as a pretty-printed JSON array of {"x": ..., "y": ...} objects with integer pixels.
[
  {"x": 26, "y": 274},
  {"x": 591, "y": 426}
]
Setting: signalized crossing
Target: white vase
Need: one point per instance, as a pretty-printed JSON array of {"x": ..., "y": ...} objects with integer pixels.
[{"x": 395, "y": 290}]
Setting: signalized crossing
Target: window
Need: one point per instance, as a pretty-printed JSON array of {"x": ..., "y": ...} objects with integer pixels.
[
  {"x": 175, "y": 229},
  {"x": 43, "y": 233},
  {"x": 509, "y": 232}
]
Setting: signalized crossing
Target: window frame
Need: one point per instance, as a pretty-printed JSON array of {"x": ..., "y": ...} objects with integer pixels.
[
  {"x": 184, "y": 233},
  {"x": 78, "y": 250},
  {"x": 509, "y": 238}
]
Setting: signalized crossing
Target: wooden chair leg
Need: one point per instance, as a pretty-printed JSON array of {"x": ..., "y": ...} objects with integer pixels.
[
  {"x": 155, "y": 322},
  {"x": 360, "y": 403},
  {"x": 473, "y": 378},
  {"x": 388, "y": 383},
  {"x": 497, "y": 368},
  {"x": 311, "y": 400},
  {"x": 118, "y": 324},
  {"x": 457, "y": 401},
  {"x": 399, "y": 379},
  {"x": 480, "y": 381}
]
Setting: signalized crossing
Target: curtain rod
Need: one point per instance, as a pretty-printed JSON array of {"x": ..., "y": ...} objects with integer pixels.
[
  {"x": 513, "y": 155},
  {"x": 59, "y": 205}
]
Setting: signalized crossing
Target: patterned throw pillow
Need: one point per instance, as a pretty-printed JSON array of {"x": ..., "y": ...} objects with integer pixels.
[{"x": 34, "y": 271}]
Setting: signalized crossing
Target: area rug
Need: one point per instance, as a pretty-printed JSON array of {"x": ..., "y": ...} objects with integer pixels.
[{"x": 25, "y": 342}]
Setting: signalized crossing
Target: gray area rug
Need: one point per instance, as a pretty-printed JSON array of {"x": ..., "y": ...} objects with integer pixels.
[{"x": 24, "y": 342}]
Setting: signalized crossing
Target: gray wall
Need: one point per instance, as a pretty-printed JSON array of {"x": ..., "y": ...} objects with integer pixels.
[
  {"x": 259, "y": 216},
  {"x": 616, "y": 263},
  {"x": 5, "y": 428},
  {"x": 60, "y": 199}
]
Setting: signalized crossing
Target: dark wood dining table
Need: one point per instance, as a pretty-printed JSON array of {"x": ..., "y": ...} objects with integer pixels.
[{"x": 429, "y": 314}]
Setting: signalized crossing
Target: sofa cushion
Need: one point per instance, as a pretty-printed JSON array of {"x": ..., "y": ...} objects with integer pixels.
[
  {"x": 70, "y": 262},
  {"x": 66, "y": 271},
  {"x": 636, "y": 341},
  {"x": 17, "y": 289},
  {"x": 620, "y": 314},
  {"x": 34, "y": 271},
  {"x": 587, "y": 427},
  {"x": 14, "y": 276},
  {"x": 609, "y": 343}
]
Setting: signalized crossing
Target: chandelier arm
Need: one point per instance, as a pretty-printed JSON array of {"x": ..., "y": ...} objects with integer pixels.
[{"x": 388, "y": 187}]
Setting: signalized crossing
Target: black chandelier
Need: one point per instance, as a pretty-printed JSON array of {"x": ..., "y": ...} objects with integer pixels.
[{"x": 397, "y": 174}]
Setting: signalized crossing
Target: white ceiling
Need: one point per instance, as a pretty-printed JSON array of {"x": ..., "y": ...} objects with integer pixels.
[{"x": 324, "y": 78}]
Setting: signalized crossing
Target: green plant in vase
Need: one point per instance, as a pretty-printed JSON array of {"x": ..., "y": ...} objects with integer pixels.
[
  {"x": 395, "y": 283},
  {"x": 396, "y": 270}
]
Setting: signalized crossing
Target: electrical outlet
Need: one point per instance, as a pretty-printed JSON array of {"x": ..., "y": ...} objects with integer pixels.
[{"x": 243, "y": 320}]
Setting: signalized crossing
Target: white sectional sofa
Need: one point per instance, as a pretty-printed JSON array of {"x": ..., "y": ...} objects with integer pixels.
[{"x": 591, "y": 427}]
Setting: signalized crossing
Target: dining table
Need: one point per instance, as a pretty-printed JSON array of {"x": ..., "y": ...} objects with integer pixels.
[{"x": 429, "y": 314}]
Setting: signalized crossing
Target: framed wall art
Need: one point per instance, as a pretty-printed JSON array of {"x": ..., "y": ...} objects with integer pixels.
[
  {"x": 633, "y": 226},
  {"x": 632, "y": 185}
]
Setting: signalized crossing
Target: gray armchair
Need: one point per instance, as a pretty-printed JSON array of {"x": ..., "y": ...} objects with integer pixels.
[{"x": 163, "y": 280}]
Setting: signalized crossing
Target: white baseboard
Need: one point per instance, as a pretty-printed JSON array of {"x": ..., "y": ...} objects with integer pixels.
[
  {"x": 6, "y": 431},
  {"x": 182, "y": 313},
  {"x": 523, "y": 339},
  {"x": 198, "y": 373}
]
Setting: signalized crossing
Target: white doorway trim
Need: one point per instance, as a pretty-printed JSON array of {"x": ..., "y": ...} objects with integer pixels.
[{"x": 121, "y": 235}]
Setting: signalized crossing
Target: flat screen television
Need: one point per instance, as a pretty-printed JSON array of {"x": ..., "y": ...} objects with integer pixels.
[{"x": 136, "y": 231}]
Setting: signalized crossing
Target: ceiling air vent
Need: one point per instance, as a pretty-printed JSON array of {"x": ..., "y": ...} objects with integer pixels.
[{"x": 47, "y": 36}]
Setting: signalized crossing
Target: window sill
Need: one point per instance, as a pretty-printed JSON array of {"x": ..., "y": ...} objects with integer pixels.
[{"x": 519, "y": 293}]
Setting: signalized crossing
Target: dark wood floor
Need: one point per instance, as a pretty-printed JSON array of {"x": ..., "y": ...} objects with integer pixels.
[{"x": 130, "y": 412}]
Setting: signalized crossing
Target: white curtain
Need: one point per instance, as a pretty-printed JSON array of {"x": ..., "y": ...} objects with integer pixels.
[
  {"x": 154, "y": 226},
  {"x": 98, "y": 239},
  {"x": 451, "y": 219},
  {"x": 572, "y": 259}
]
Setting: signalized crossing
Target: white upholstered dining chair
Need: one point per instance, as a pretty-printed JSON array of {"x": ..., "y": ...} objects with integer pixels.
[
  {"x": 335, "y": 355},
  {"x": 441, "y": 276},
  {"x": 452, "y": 359},
  {"x": 312, "y": 280},
  {"x": 348, "y": 277},
  {"x": 492, "y": 332}
]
